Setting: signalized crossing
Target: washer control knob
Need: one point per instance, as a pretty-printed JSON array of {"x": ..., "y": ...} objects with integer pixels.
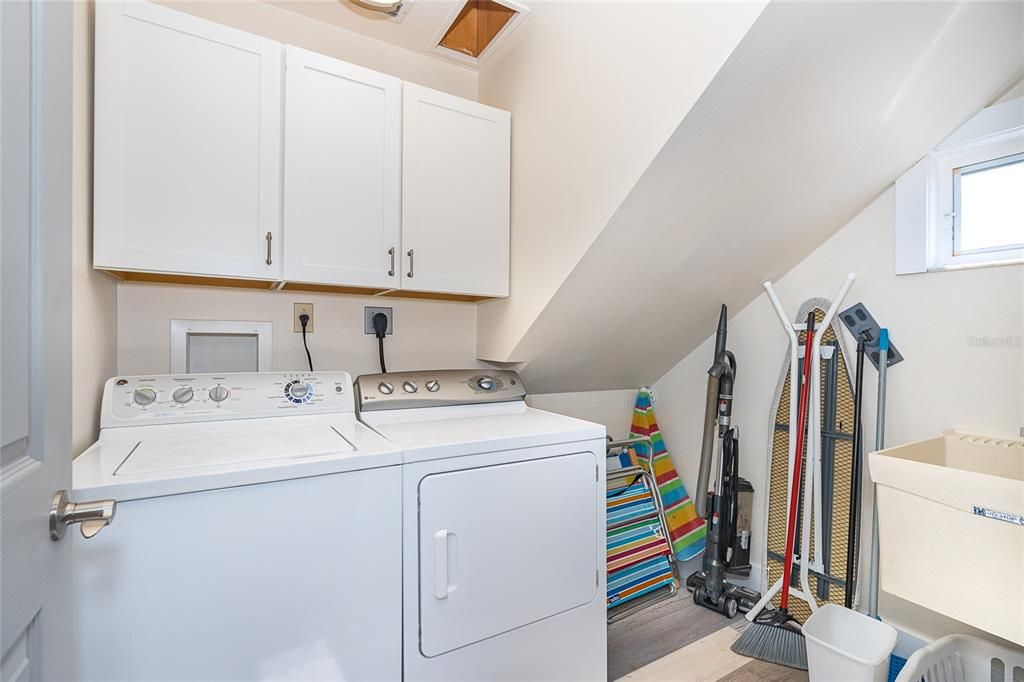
[
  {"x": 219, "y": 394},
  {"x": 183, "y": 395},
  {"x": 409, "y": 386},
  {"x": 385, "y": 388},
  {"x": 298, "y": 390},
  {"x": 433, "y": 385},
  {"x": 144, "y": 396},
  {"x": 485, "y": 383}
]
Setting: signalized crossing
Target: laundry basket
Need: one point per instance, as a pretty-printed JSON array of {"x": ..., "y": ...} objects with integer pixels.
[
  {"x": 951, "y": 528},
  {"x": 962, "y": 658}
]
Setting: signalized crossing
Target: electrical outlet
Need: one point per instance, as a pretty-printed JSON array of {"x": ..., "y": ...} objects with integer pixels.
[
  {"x": 368, "y": 314},
  {"x": 303, "y": 309}
]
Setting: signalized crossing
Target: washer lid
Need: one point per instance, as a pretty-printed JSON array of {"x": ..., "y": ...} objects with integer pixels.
[
  {"x": 232, "y": 446},
  {"x": 141, "y": 462}
]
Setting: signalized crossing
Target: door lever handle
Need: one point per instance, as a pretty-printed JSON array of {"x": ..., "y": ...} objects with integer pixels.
[{"x": 93, "y": 516}]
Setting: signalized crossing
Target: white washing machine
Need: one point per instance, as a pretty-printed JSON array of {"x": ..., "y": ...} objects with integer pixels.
[
  {"x": 504, "y": 522},
  {"x": 257, "y": 533}
]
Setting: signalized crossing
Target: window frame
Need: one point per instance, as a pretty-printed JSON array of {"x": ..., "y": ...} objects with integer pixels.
[
  {"x": 924, "y": 238},
  {"x": 991, "y": 152}
]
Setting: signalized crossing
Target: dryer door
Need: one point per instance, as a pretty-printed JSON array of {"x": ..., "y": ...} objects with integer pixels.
[{"x": 504, "y": 546}]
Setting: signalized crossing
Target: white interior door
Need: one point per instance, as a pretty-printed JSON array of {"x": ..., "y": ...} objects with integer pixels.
[
  {"x": 342, "y": 177},
  {"x": 455, "y": 194},
  {"x": 35, "y": 338},
  {"x": 505, "y": 546},
  {"x": 187, "y": 144}
]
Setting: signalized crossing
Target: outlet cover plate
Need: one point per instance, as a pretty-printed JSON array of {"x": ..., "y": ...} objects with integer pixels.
[
  {"x": 299, "y": 309},
  {"x": 369, "y": 312}
]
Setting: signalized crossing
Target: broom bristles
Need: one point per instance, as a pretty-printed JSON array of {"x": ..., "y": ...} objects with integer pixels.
[{"x": 773, "y": 642}]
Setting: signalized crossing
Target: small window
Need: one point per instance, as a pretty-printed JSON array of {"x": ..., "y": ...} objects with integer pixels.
[
  {"x": 988, "y": 206},
  {"x": 962, "y": 206}
]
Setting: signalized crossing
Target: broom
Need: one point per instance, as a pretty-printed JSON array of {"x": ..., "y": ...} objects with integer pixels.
[{"x": 775, "y": 635}]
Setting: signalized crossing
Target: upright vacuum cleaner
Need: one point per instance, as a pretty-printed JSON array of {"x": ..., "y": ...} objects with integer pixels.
[{"x": 726, "y": 509}]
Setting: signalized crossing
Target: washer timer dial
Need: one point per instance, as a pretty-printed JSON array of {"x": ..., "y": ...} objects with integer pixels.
[{"x": 298, "y": 391}]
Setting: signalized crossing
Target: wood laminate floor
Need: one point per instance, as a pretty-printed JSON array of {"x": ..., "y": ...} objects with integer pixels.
[{"x": 677, "y": 641}]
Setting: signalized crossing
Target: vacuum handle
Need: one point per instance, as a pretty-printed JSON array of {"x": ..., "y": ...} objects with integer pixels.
[{"x": 707, "y": 448}]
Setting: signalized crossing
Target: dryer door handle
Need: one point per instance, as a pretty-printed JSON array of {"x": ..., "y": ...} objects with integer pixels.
[{"x": 441, "y": 564}]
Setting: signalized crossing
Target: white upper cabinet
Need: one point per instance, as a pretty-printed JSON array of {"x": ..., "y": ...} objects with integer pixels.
[
  {"x": 342, "y": 173},
  {"x": 187, "y": 145},
  {"x": 222, "y": 154},
  {"x": 455, "y": 194}
]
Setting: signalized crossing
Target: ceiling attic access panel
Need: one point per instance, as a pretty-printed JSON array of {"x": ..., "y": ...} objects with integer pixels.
[{"x": 478, "y": 27}]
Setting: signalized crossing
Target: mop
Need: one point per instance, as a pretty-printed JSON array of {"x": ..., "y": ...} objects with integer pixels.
[
  {"x": 757, "y": 641},
  {"x": 862, "y": 325}
]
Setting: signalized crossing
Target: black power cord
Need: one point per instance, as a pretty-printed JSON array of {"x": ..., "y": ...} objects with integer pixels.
[
  {"x": 304, "y": 320},
  {"x": 380, "y": 328}
]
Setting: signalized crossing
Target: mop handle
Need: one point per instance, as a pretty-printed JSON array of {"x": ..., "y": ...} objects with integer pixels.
[
  {"x": 794, "y": 496},
  {"x": 883, "y": 366}
]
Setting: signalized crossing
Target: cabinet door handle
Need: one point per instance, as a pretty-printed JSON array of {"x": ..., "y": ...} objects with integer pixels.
[
  {"x": 391, "y": 252},
  {"x": 270, "y": 238},
  {"x": 411, "y": 263}
]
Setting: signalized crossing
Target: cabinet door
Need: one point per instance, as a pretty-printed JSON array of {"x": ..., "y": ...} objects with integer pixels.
[
  {"x": 187, "y": 145},
  {"x": 342, "y": 203},
  {"x": 455, "y": 194}
]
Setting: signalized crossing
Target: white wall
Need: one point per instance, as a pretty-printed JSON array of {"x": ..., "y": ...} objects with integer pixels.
[
  {"x": 428, "y": 334},
  {"x": 613, "y": 409},
  {"x": 946, "y": 380},
  {"x": 595, "y": 90},
  {"x": 296, "y": 29},
  {"x": 93, "y": 294}
]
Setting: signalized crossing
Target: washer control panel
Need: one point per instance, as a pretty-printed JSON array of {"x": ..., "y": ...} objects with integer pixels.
[
  {"x": 398, "y": 390},
  {"x": 173, "y": 399}
]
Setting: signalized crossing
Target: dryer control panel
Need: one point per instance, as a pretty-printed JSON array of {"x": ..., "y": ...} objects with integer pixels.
[
  {"x": 399, "y": 390},
  {"x": 175, "y": 399}
]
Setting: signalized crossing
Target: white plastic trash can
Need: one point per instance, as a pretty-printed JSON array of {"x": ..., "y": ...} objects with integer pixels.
[{"x": 846, "y": 646}]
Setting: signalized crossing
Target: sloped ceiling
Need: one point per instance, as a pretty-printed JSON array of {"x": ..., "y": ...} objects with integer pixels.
[{"x": 819, "y": 108}]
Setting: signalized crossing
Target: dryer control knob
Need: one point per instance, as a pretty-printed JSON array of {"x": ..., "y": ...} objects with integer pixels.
[
  {"x": 485, "y": 383},
  {"x": 183, "y": 395},
  {"x": 433, "y": 385},
  {"x": 144, "y": 396},
  {"x": 219, "y": 394},
  {"x": 409, "y": 386},
  {"x": 299, "y": 390},
  {"x": 385, "y": 388}
]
